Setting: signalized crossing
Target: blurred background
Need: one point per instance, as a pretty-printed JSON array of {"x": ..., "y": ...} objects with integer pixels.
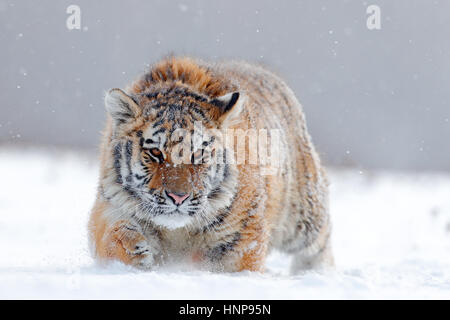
[
  {"x": 373, "y": 98},
  {"x": 377, "y": 104}
]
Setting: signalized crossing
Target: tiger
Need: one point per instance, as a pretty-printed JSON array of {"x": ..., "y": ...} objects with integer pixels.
[{"x": 158, "y": 203}]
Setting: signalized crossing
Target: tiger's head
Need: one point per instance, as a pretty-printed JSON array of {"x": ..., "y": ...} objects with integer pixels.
[{"x": 167, "y": 154}]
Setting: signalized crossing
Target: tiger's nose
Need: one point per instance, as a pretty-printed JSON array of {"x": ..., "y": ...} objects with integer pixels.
[{"x": 177, "y": 198}]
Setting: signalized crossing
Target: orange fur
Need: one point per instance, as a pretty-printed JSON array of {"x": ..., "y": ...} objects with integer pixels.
[{"x": 287, "y": 211}]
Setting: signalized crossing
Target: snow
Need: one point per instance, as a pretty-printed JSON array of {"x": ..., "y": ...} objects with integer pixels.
[{"x": 391, "y": 240}]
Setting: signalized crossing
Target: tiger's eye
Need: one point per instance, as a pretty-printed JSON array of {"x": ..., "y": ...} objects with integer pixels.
[{"x": 156, "y": 152}]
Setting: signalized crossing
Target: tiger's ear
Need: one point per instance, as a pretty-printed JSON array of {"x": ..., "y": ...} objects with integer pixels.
[
  {"x": 121, "y": 106},
  {"x": 231, "y": 106}
]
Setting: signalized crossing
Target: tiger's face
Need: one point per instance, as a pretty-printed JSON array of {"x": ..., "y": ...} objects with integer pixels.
[{"x": 168, "y": 154}]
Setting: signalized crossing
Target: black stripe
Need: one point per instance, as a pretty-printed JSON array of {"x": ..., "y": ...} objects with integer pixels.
[
  {"x": 117, "y": 153},
  {"x": 131, "y": 192},
  {"x": 218, "y": 252},
  {"x": 218, "y": 221},
  {"x": 160, "y": 130},
  {"x": 198, "y": 111},
  {"x": 224, "y": 213},
  {"x": 226, "y": 172},
  {"x": 186, "y": 93},
  {"x": 102, "y": 193},
  {"x": 139, "y": 177},
  {"x": 144, "y": 167},
  {"x": 159, "y": 115},
  {"x": 158, "y": 123},
  {"x": 153, "y": 158},
  {"x": 122, "y": 115},
  {"x": 160, "y": 105},
  {"x": 214, "y": 192},
  {"x": 128, "y": 154}
]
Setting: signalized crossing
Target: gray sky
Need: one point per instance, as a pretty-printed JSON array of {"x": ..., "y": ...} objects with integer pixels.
[{"x": 373, "y": 98}]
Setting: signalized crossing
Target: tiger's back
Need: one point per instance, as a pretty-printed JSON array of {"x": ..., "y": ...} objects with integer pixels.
[{"x": 298, "y": 194}]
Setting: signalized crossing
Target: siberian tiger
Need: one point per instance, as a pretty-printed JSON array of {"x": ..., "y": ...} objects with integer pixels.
[{"x": 208, "y": 209}]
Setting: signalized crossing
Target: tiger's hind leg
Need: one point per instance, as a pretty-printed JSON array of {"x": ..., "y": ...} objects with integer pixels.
[
  {"x": 318, "y": 258},
  {"x": 308, "y": 243}
]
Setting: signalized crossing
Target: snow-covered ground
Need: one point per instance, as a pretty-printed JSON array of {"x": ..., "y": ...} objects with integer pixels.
[{"x": 391, "y": 240}]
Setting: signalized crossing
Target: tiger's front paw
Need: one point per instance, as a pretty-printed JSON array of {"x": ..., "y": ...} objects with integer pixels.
[
  {"x": 141, "y": 254},
  {"x": 132, "y": 247}
]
